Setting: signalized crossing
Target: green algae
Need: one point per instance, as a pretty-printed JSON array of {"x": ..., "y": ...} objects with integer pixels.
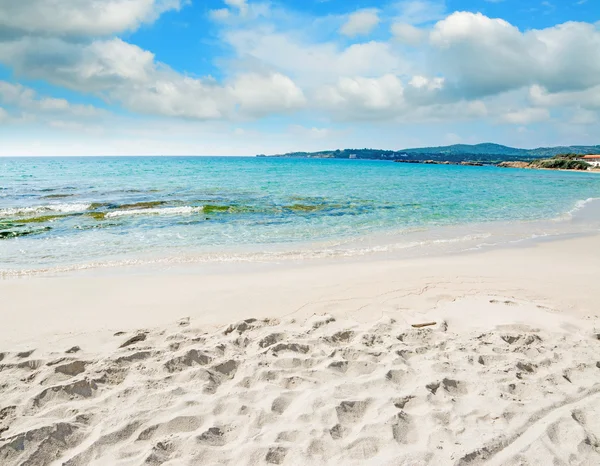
[
  {"x": 41, "y": 219},
  {"x": 210, "y": 209},
  {"x": 97, "y": 215},
  {"x": 142, "y": 205}
]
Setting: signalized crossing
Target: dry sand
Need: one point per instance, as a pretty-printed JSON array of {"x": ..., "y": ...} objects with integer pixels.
[{"x": 321, "y": 364}]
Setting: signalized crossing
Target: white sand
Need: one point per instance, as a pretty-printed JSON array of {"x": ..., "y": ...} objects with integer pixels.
[{"x": 330, "y": 372}]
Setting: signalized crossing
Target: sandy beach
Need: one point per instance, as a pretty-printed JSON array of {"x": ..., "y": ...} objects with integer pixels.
[{"x": 313, "y": 363}]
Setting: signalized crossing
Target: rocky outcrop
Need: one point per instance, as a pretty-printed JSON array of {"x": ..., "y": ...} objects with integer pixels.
[{"x": 514, "y": 165}]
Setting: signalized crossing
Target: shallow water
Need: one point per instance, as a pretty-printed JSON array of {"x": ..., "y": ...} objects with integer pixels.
[{"x": 62, "y": 213}]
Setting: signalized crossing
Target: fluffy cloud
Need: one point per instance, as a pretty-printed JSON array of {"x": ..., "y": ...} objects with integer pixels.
[
  {"x": 408, "y": 34},
  {"x": 360, "y": 23},
  {"x": 457, "y": 67},
  {"x": 126, "y": 74},
  {"x": 364, "y": 96},
  {"x": 485, "y": 56},
  {"x": 79, "y": 17},
  {"x": 472, "y": 56},
  {"x": 259, "y": 95},
  {"x": 220, "y": 14},
  {"x": 26, "y": 99},
  {"x": 586, "y": 98},
  {"x": 387, "y": 97},
  {"x": 311, "y": 64}
]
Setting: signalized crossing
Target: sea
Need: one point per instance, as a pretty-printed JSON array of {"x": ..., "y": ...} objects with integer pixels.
[{"x": 61, "y": 214}]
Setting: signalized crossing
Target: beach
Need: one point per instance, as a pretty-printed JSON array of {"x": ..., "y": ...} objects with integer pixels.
[
  {"x": 315, "y": 362},
  {"x": 255, "y": 232}
]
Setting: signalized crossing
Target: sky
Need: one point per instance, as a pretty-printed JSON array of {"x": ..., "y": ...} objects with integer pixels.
[{"x": 246, "y": 77}]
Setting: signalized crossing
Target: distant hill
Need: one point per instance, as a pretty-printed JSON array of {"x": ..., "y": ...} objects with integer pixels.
[{"x": 485, "y": 153}]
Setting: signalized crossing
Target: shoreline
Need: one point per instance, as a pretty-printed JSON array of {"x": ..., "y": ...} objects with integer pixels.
[
  {"x": 144, "y": 297},
  {"x": 581, "y": 220}
]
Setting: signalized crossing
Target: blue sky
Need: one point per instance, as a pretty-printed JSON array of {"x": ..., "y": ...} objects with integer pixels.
[{"x": 241, "y": 77}]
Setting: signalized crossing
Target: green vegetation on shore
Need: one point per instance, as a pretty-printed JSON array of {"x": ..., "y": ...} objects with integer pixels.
[{"x": 558, "y": 162}]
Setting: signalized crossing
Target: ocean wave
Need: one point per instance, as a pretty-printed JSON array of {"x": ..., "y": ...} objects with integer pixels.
[
  {"x": 581, "y": 204},
  {"x": 186, "y": 210},
  {"x": 65, "y": 208}
]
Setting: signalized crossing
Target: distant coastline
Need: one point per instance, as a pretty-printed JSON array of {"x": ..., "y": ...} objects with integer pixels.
[{"x": 486, "y": 153}]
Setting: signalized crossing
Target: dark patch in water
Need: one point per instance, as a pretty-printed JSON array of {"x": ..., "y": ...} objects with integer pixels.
[
  {"x": 8, "y": 224},
  {"x": 96, "y": 226},
  {"x": 140, "y": 191},
  {"x": 49, "y": 190},
  {"x": 16, "y": 234},
  {"x": 57, "y": 196}
]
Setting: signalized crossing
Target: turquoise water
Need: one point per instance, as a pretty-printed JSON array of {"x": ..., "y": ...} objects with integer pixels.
[{"x": 75, "y": 212}]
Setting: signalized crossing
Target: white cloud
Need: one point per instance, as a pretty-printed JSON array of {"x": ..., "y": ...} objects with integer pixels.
[
  {"x": 526, "y": 116},
  {"x": 485, "y": 56},
  {"x": 360, "y": 23},
  {"x": 220, "y": 15},
  {"x": 126, "y": 74},
  {"x": 259, "y": 95},
  {"x": 387, "y": 98},
  {"x": 457, "y": 68},
  {"x": 408, "y": 34},
  {"x": 586, "y": 98},
  {"x": 80, "y": 17},
  {"x": 371, "y": 97},
  {"x": 422, "y": 82},
  {"x": 313, "y": 64}
]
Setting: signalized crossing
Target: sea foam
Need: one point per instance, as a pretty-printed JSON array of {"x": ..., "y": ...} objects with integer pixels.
[{"x": 66, "y": 208}]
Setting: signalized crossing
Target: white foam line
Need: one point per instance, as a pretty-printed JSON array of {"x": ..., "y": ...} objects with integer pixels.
[
  {"x": 581, "y": 204},
  {"x": 156, "y": 211}
]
